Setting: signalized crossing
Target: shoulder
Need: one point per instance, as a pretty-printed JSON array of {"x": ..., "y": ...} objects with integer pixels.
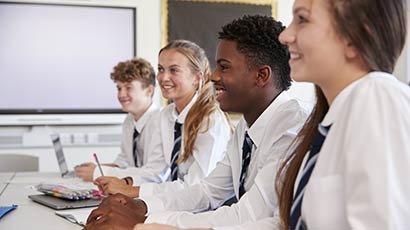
[{"x": 379, "y": 92}]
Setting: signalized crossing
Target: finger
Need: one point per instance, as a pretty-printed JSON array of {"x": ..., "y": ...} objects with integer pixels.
[
  {"x": 95, "y": 215},
  {"x": 97, "y": 224}
]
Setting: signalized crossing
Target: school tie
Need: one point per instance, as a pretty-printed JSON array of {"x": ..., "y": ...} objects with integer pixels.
[
  {"x": 295, "y": 212},
  {"x": 246, "y": 159},
  {"x": 134, "y": 147},
  {"x": 175, "y": 151}
]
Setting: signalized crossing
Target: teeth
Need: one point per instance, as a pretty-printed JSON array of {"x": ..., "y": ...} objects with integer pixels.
[
  {"x": 166, "y": 86},
  {"x": 294, "y": 56},
  {"x": 218, "y": 92}
]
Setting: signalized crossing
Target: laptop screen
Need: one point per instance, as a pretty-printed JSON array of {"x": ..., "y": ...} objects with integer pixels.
[{"x": 58, "y": 147}]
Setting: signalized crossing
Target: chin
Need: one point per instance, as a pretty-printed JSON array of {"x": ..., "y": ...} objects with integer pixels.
[{"x": 299, "y": 77}]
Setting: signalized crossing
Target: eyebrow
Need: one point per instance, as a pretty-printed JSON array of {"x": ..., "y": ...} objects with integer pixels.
[
  {"x": 171, "y": 66},
  {"x": 300, "y": 8}
]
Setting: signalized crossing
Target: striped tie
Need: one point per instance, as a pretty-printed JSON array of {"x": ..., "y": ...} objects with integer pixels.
[
  {"x": 295, "y": 212},
  {"x": 246, "y": 159},
  {"x": 134, "y": 147},
  {"x": 175, "y": 151}
]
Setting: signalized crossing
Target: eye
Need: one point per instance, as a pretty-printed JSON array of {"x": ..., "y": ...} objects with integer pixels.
[
  {"x": 223, "y": 67},
  {"x": 174, "y": 71},
  {"x": 301, "y": 19},
  {"x": 160, "y": 69}
]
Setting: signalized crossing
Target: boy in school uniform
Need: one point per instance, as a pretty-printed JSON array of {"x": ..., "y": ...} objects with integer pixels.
[
  {"x": 251, "y": 77},
  {"x": 135, "y": 82}
]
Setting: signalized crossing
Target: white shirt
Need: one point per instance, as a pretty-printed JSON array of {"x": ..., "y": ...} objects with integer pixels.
[
  {"x": 150, "y": 164},
  {"x": 209, "y": 148},
  {"x": 361, "y": 178},
  {"x": 271, "y": 134}
]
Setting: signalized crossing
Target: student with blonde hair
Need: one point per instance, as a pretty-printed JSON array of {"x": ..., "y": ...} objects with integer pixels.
[{"x": 192, "y": 131}]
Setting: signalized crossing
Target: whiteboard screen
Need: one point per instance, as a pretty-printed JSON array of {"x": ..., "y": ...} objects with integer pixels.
[{"x": 58, "y": 58}]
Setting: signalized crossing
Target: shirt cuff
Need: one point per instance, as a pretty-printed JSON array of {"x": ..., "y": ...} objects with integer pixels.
[
  {"x": 147, "y": 189},
  {"x": 156, "y": 218},
  {"x": 154, "y": 204}
]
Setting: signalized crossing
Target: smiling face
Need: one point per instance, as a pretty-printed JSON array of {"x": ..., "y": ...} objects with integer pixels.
[
  {"x": 234, "y": 81},
  {"x": 317, "y": 52},
  {"x": 133, "y": 97},
  {"x": 176, "y": 79}
]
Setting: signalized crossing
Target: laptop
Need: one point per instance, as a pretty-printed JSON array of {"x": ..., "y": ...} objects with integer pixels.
[
  {"x": 61, "y": 204},
  {"x": 62, "y": 164}
]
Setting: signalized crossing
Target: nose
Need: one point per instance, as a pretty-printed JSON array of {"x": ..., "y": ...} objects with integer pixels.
[
  {"x": 215, "y": 77},
  {"x": 287, "y": 37},
  {"x": 162, "y": 76}
]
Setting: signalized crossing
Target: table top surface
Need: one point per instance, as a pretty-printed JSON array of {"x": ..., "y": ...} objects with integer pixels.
[{"x": 15, "y": 189}]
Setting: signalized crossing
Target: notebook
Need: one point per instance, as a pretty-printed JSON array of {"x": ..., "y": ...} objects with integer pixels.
[
  {"x": 77, "y": 216},
  {"x": 62, "y": 164},
  {"x": 61, "y": 204}
]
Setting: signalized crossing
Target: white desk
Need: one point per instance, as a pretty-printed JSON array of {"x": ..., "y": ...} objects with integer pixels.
[
  {"x": 4, "y": 177},
  {"x": 29, "y": 215}
]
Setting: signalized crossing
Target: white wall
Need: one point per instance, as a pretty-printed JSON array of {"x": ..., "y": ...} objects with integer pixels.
[
  {"x": 148, "y": 44},
  {"x": 36, "y": 140}
]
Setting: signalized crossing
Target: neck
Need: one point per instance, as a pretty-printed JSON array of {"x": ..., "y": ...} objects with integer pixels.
[
  {"x": 263, "y": 102},
  {"x": 139, "y": 114},
  {"x": 181, "y": 103},
  {"x": 332, "y": 88}
]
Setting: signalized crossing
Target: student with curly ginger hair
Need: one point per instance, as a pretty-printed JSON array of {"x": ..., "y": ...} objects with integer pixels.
[
  {"x": 251, "y": 77},
  {"x": 135, "y": 81}
]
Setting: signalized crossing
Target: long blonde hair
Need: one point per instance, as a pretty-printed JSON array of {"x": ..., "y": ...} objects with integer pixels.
[{"x": 205, "y": 104}]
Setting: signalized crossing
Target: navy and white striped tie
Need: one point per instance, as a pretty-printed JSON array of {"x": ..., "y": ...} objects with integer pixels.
[
  {"x": 175, "y": 151},
  {"x": 295, "y": 212},
  {"x": 134, "y": 147},
  {"x": 246, "y": 159}
]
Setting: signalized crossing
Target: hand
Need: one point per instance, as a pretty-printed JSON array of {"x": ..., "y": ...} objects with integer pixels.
[
  {"x": 113, "y": 185},
  {"x": 136, "y": 206},
  {"x": 115, "y": 216},
  {"x": 163, "y": 227},
  {"x": 85, "y": 171}
]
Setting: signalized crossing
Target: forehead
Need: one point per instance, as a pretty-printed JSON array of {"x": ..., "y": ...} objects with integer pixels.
[
  {"x": 227, "y": 51},
  {"x": 172, "y": 57},
  {"x": 127, "y": 83}
]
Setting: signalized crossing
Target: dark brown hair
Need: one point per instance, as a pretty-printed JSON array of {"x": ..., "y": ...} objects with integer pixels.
[
  {"x": 134, "y": 69},
  {"x": 377, "y": 29}
]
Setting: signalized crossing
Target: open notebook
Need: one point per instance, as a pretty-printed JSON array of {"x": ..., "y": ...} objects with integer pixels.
[{"x": 77, "y": 216}]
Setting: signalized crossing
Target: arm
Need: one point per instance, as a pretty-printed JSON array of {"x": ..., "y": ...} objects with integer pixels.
[
  {"x": 211, "y": 192},
  {"x": 376, "y": 157},
  {"x": 210, "y": 147},
  {"x": 259, "y": 202}
]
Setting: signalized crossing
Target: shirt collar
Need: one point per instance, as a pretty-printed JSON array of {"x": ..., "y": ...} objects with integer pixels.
[
  {"x": 256, "y": 131},
  {"x": 342, "y": 97},
  {"x": 140, "y": 123},
  {"x": 180, "y": 118}
]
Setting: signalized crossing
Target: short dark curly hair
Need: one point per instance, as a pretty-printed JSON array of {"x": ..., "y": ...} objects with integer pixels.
[
  {"x": 134, "y": 69},
  {"x": 257, "y": 37}
]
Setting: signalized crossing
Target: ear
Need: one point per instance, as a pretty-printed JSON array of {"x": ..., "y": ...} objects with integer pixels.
[
  {"x": 350, "y": 51},
  {"x": 263, "y": 75},
  {"x": 150, "y": 90}
]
